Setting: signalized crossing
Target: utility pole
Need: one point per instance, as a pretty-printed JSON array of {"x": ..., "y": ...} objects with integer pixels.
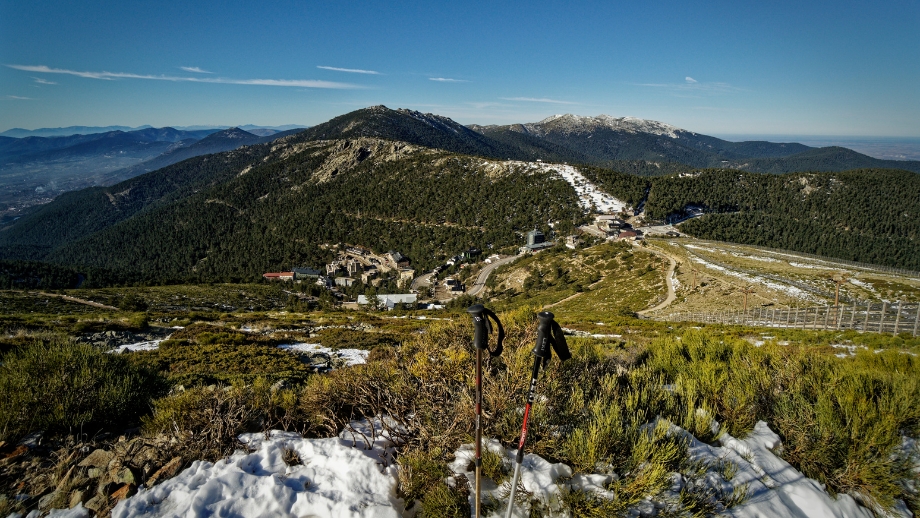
[
  {"x": 747, "y": 290},
  {"x": 838, "y": 280}
]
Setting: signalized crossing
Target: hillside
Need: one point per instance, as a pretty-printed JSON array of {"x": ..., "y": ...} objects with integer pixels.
[
  {"x": 232, "y": 215},
  {"x": 429, "y": 204},
  {"x": 76, "y": 214},
  {"x": 219, "y": 141}
]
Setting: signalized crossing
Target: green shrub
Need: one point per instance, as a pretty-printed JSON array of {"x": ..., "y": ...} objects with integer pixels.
[
  {"x": 420, "y": 471},
  {"x": 207, "y": 420},
  {"x": 61, "y": 386},
  {"x": 443, "y": 501}
]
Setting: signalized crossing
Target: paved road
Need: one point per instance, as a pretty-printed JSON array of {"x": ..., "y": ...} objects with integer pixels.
[{"x": 480, "y": 283}]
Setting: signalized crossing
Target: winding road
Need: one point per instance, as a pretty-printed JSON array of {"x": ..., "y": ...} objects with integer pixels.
[
  {"x": 480, "y": 283},
  {"x": 667, "y": 279}
]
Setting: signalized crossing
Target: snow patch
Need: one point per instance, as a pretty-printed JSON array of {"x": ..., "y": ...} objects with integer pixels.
[
  {"x": 152, "y": 345},
  {"x": 589, "y": 196},
  {"x": 340, "y": 476},
  {"x": 792, "y": 291},
  {"x": 351, "y": 356}
]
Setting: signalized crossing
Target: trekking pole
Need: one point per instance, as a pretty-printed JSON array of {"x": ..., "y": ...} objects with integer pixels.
[
  {"x": 549, "y": 334},
  {"x": 482, "y": 327}
]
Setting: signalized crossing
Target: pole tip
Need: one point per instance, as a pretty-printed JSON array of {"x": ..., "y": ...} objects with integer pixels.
[{"x": 545, "y": 316}]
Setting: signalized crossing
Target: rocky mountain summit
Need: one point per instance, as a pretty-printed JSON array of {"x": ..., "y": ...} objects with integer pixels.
[{"x": 569, "y": 123}]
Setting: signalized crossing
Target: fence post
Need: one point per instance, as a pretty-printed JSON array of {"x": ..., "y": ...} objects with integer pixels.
[
  {"x": 853, "y": 316},
  {"x": 827, "y": 315},
  {"x": 773, "y": 317},
  {"x": 788, "y": 315},
  {"x": 866, "y": 323},
  {"x": 804, "y": 318},
  {"x": 881, "y": 320},
  {"x": 897, "y": 318},
  {"x": 917, "y": 319},
  {"x": 814, "y": 325}
]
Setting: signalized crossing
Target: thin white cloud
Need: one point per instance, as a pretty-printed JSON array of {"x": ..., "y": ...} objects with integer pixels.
[
  {"x": 43, "y": 81},
  {"x": 108, "y": 76},
  {"x": 536, "y": 100},
  {"x": 693, "y": 86},
  {"x": 447, "y": 80},
  {"x": 195, "y": 70},
  {"x": 350, "y": 70},
  {"x": 18, "y": 98}
]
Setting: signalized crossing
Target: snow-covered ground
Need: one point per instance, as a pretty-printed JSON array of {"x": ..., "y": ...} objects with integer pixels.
[
  {"x": 351, "y": 356},
  {"x": 792, "y": 291},
  {"x": 850, "y": 349},
  {"x": 347, "y": 476},
  {"x": 152, "y": 345},
  {"x": 588, "y": 194},
  {"x": 774, "y": 487},
  {"x": 353, "y": 475}
]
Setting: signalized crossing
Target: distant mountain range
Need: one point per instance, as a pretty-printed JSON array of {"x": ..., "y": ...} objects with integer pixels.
[
  {"x": 428, "y": 186},
  {"x": 626, "y": 144},
  {"x": 32, "y": 168},
  {"x": 89, "y": 130}
]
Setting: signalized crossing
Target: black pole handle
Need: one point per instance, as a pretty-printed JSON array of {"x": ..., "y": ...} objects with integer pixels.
[
  {"x": 483, "y": 327},
  {"x": 550, "y": 338}
]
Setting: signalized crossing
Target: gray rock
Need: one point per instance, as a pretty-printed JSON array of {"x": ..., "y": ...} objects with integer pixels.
[
  {"x": 46, "y": 500},
  {"x": 97, "y": 459},
  {"x": 95, "y": 503},
  {"x": 75, "y": 498},
  {"x": 125, "y": 476}
]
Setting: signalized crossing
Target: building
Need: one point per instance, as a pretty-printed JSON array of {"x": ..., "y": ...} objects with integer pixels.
[
  {"x": 471, "y": 253},
  {"x": 405, "y": 276},
  {"x": 453, "y": 285},
  {"x": 278, "y": 276},
  {"x": 344, "y": 281},
  {"x": 398, "y": 260},
  {"x": 628, "y": 234},
  {"x": 390, "y": 301},
  {"x": 609, "y": 224},
  {"x": 572, "y": 242},
  {"x": 368, "y": 274},
  {"x": 536, "y": 240},
  {"x": 353, "y": 267},
  {"x": 306, "y": 273}
]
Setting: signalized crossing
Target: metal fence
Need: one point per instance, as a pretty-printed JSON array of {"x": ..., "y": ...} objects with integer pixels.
[{"x": 880, "y": 317}]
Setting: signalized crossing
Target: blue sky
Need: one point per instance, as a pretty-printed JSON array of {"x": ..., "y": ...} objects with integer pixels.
[{"x": 722, "y": 68}]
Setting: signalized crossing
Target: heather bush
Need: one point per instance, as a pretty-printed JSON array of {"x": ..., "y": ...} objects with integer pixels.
[{"x": 60, "y": 386}]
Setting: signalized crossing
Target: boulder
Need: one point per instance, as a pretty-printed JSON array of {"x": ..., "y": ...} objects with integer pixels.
[
  {"x": 97, "y": 459},
  {"x": 125, "y": 476},
  {"x": 123, "y": 492},
  {"x": 166, "y": 471},
  {"x": 76, "y": 498},
  {"x": 95, "y": 504}
]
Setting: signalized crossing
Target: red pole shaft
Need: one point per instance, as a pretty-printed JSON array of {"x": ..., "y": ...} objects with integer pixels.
[{"x": 478, "y": 459}]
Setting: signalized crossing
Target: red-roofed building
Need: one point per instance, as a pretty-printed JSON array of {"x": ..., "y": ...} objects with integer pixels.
[{"x": 278, "y": 276}]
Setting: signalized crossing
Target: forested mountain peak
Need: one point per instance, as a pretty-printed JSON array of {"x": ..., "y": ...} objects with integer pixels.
[{"x": 233, "y": 133}]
